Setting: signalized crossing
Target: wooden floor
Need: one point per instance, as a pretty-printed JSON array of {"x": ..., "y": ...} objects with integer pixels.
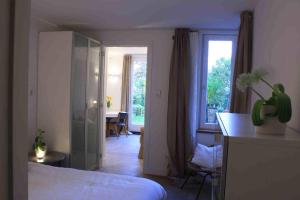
[{"x": 121, "y": 157}]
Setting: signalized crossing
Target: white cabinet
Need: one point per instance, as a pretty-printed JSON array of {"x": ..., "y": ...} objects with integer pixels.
[
  {"x": 68, "y": 100},
  {"x": 258, "y": 166}
]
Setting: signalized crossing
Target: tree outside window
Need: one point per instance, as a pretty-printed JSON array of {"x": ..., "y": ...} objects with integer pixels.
[
  {"x": 218, "y": 89},
  {"x": 139, "y": 91}
]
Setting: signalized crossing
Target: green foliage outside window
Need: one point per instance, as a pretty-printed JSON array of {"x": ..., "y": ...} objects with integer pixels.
[
  {"x": 139, "y": 91},
  {"x": 219, "y": 85}
]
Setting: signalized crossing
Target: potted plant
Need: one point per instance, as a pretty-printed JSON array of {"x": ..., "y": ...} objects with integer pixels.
[
  {"x": 39, "y": 145},
  {"x": 269, "y": 115},
  {"x": 108, "y": 101}
]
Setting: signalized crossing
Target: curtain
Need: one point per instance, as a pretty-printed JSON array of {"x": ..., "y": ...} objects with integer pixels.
[
  {"x": 240, "y": 102},
  {"x": 194, "y": 94},
  {"x": 126, "y": 78},
  {"x": 181, "y": 122}
]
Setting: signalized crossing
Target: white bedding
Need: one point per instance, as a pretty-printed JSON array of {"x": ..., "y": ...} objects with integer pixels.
[{"x": 53, "y": 183}]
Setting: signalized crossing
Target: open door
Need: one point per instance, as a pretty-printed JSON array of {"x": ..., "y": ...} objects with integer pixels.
[
  {"x": 93, "y": 131},
  {"x": 137, "y": 92}
]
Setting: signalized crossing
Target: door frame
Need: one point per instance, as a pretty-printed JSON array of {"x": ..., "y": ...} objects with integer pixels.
[
  {"x": 18, "y": 155},
  {"x": 102, "y": 108},
  {"x": 149, "y": 46}
]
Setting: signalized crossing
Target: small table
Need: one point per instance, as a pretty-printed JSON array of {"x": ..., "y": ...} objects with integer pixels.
[
  {"x": 52, "y": 158},
  {"x": 109, "y": 116},
  {"x": 112, "y": 114}
]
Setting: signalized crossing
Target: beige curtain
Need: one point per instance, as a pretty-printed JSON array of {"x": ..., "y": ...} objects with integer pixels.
[
  {"x": 240, "y": 102},
  {"x": 126, "y": 77},
  {"x": 181, "y": 113}
]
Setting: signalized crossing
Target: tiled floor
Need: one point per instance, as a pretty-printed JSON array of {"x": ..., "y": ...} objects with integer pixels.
[{"x": 121, "y": 157}]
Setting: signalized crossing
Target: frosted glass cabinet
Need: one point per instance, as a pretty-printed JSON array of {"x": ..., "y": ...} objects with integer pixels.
[{"x": 68, "y": 96}]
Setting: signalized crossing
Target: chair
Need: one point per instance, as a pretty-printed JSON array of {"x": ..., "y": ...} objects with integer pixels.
[
  {"x": 121, "y": 123},
  {"x": 195, "y": 170}
]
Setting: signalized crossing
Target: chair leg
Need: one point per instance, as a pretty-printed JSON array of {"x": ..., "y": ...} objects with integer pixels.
[
  {"x": 185, "y": 181},
  {"x": 120, "y": 129},
  {"x": 201, "y": 186},
  {"x": 126, "y": 130}
]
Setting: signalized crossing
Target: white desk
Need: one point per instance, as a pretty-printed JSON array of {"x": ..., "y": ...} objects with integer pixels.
[{"x": 257, "y": 166}]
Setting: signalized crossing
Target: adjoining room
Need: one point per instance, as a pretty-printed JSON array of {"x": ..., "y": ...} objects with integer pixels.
[{"x": 125, "y": 92}]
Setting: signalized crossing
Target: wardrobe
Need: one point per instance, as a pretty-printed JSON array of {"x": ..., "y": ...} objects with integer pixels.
[{"x": 68, "y": 96}]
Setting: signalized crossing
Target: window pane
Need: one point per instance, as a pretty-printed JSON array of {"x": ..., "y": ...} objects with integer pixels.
[
  {"x": 218, "y": 78},
  {"x": 139, "y": 90}
]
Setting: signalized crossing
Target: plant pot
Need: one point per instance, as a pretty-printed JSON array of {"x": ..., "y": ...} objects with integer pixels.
[
  {"x": 40, "y": 153},
  {"x": 271, "y": 126},
  {"x": 267, "y": 110}
]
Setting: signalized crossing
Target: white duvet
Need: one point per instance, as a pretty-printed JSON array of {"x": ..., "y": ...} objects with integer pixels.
[{"x": 53, "y": 183}]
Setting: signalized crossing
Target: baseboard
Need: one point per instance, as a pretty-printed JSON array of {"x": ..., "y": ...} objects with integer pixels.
[{"x": 136, "y": 132}]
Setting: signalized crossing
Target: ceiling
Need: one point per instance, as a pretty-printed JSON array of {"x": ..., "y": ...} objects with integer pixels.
[
  {"x": 126, "y": 50},
  {"x": 135, "y": 14}
]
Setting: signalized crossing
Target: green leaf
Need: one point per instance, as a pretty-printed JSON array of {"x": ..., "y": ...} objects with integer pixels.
[
  {"x": 278, "y": 88},
  {"x": 272, "y": 102},
  {"x": 257, "y": 121},
  {"x": 284, "y": 107}
]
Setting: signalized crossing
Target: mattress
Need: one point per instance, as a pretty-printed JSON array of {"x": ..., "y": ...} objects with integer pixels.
[{"x": 53, "y": 183}]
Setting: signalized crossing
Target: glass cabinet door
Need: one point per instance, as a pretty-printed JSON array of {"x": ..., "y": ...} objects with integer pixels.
[
  {"x": 78, "y": 102},
  {"x": 92, "y": 119}
]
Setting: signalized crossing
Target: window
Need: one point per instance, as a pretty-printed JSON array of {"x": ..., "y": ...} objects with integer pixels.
[
  {"x": 138, "y": 91},
  {"x": 217, "y": 67}
]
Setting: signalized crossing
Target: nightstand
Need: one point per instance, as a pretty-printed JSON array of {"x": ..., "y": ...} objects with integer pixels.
[{"x": 52, "y": 158}]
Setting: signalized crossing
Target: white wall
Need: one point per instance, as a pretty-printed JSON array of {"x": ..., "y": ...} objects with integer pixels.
[
  {"x": 277, "y": 47},
  {"x": 161, "y": 42},
  {"x": 114, "y": 79},
  {"x": 37, "y": 25}
]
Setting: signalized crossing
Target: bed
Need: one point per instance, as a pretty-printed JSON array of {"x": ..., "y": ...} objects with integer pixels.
[{"x": 49, "y": 183}]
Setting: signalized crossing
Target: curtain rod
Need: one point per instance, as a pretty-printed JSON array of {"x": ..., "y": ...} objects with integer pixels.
[
  {"x": 191, "y": 31},
  {"x": 173, "y": 37}
]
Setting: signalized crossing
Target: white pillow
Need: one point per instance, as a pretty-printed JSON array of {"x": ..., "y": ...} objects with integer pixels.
[{"x": 208, "y": 157}]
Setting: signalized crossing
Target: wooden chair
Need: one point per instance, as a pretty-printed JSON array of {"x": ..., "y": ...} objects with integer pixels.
[{"x": 121, "y": 123}]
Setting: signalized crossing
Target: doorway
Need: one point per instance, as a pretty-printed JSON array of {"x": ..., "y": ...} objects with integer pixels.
[{"x": 124, "y": 95}]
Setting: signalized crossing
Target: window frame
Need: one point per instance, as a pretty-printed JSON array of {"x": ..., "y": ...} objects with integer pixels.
[{"x": 205, "y": 37}]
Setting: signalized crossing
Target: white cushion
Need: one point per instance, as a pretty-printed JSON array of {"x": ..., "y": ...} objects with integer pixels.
[{"x": 208, "y": 157}]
